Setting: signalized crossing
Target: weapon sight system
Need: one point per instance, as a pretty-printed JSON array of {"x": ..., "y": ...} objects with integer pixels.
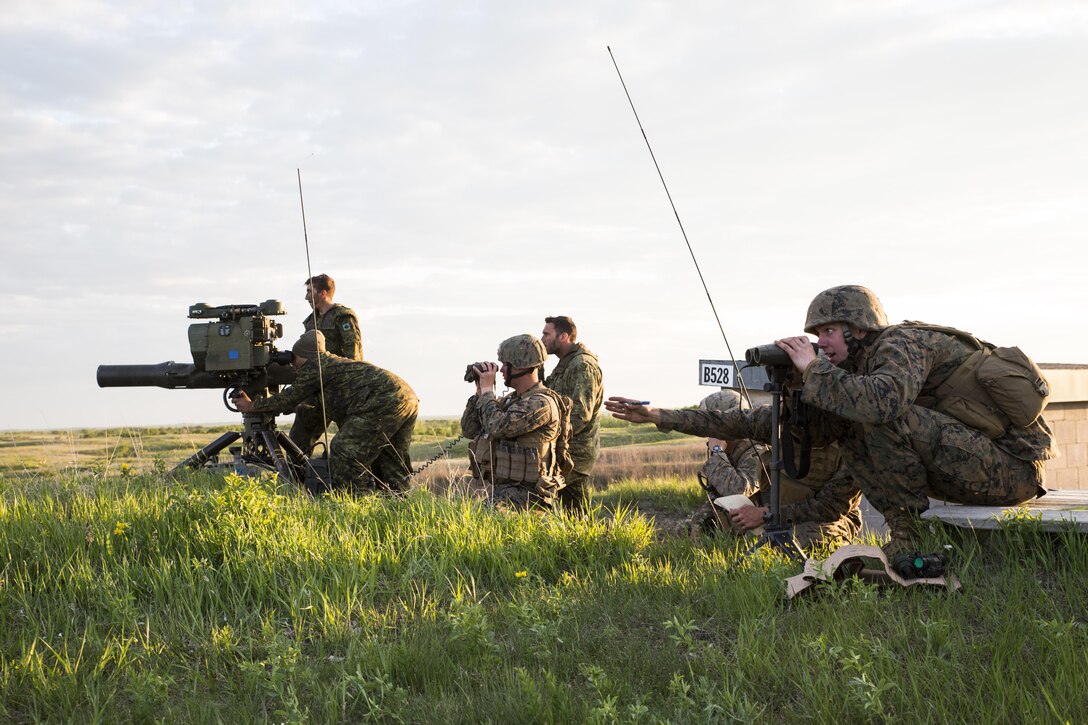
[{"x": 233, "y": 348}]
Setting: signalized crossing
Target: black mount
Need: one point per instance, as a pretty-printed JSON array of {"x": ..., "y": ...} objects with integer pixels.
[
  {"x": 777, "y": 534},
  {"x": 263, "y": 446}
]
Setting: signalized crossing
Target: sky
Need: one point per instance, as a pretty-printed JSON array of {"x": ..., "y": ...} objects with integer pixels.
[{"x": 469, "y": 168}]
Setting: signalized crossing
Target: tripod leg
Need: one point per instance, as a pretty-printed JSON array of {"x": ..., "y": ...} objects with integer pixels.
[
  {"x": 273, "y": 450},
  {"x": 290, "y": 448},
  {"x": 298, "y": 461},
  {"x": 208, "y": 452},
  {"x": 781, "y": 539}
]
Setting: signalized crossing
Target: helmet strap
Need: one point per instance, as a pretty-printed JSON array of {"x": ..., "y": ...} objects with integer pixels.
[
  {"x": 854, "y": 345},
  {"x": 515, "y": 376}
]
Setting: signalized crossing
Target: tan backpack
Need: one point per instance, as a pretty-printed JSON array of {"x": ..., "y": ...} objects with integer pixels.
[
  {"x": 562, "y": 443},
  {"x": 993, "y": 388}
]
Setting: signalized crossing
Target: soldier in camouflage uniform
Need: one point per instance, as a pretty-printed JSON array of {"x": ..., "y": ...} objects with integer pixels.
[
  {"x": 340, "y": 327},
  {"x": 875, "y": 390},
  {"x": 577, "y": 376},
  {"x": 731, "y": 468},
  {"x": 517, "y": 447},
  {"x": 822, "y": 507},
  {"x": 374, "y": 410}
]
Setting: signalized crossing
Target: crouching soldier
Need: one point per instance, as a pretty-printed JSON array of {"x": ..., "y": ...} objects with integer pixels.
[
  {"x": 374, "y": 410},
  {"x": 519, "y": 441},
  {"x": 823, "y": 508}
]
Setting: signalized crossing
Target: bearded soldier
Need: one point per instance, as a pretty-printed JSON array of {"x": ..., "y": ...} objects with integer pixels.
[
  {"x": 374, "y": 410},
  {"x": 577, "y": 376},
  {"x": 519, "y": 440},
  {"x": 904, "y": 404},
  {"x": 340, "y": 327},
  {"x": 822, "y": 507}
]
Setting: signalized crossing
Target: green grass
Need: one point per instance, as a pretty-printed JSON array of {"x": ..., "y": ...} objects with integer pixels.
[
  {"x": 134, "y": 598},
  {"x": 108, "y": 448}
]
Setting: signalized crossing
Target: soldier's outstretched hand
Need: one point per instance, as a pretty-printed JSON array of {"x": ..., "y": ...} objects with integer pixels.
[{"x": 632, "y": 410}]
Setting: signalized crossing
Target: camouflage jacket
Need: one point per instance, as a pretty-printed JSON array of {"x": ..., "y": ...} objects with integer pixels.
[
  {"x": 578, "y": 376},
  {"x": 826, "y": 494},
  {"x": 352, "y": 387},
  {"x": 902, "y": 368},
  {"x": 513, "y": 437},
  {"x": 735, "y": 472},
  {"x": 341, "y": 329}
]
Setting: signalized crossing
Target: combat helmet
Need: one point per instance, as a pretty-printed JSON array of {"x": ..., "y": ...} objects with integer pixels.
[
  {"x": 522, "y": 351},
  {"x": 849, "y": 303},
  {"x": 723, "y": 401}
]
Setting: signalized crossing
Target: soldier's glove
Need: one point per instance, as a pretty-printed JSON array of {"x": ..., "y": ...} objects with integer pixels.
[{"x": 920, "y": 566}]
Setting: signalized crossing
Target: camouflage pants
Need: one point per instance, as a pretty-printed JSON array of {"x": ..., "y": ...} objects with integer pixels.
[
  {"x": 574, "y": 494},
  {"x": 307, "y": 428},
  {"x": 924, "y": 454},
  {"x": 709, "y": 520},
  {"x": 375, "y": 445},
  {"x": 522, "y": 497}
]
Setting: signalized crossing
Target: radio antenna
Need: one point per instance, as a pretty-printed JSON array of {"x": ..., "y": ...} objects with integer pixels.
[
  {"x": 776, "y": 533},
  {"x": 313, "y": 306},
  {"x": 683, "y": 232}
]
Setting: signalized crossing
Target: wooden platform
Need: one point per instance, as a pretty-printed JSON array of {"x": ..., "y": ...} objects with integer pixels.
[{"x": 1055, "y": 511}]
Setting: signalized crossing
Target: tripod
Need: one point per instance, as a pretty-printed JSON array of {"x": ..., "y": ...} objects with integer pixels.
[
  {"x": 777, "y": 534},
  {"x": 262, "y": 446}
]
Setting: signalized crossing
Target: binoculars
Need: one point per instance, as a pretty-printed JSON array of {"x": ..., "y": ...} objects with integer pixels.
[
  {"x": 771, "y": 355},
  {"x": 919, "y": 566}
]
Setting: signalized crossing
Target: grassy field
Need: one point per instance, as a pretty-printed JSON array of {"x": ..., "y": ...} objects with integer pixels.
[
  {"x": 129, "y": 597},
  {"x": 629, "y": 451}
]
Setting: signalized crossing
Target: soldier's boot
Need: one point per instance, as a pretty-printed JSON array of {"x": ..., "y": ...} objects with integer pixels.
[{"x": 903, "y": 528}]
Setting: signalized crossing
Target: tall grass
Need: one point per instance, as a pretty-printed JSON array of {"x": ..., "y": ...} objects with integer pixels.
[{"x": 137, "y": 598}]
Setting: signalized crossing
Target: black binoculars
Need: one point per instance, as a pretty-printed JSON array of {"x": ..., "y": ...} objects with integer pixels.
[{"x": 771, "y": 355}]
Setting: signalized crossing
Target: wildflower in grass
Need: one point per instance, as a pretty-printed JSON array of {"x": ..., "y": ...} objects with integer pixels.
[
  {"x": 125, "y": 469},
  {"x": 120, "y": 528},
  {"x": 521, "y": 574}
]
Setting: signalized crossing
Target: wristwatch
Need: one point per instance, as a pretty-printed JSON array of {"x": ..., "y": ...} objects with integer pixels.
[{"x": 716, "y": 449}]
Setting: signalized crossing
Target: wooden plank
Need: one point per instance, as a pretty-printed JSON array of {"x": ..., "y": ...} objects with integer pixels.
[{"x": 1056, "y": 511}]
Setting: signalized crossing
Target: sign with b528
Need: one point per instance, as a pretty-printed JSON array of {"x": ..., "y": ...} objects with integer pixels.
[{"x": 719, "y": 373}]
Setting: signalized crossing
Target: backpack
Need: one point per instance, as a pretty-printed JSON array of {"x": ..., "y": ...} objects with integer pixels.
[
  {"x": 993, "y": 388},
  {"x": 563, "y": 460}
]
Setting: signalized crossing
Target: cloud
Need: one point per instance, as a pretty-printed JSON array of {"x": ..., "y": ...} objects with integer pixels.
[{"x": 469, "y": 168}]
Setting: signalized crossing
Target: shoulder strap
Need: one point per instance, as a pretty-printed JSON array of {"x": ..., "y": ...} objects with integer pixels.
[{"x": 965, "y": 336}]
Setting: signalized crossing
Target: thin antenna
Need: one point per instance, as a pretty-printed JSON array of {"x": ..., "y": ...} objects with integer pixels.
[
  {"x": 313, "y": 306},
  {"x": 661, "y": 176}
]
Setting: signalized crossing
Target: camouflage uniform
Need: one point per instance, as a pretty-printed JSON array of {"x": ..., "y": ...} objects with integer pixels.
[
  {"x": 728, "y": 473},
  {"x": 513, "y": 447},
  {"x": 822, "y": 507},
  {"x": 374, "y": 410},
  {"x": 879, "y": 407},
  {"x": 578, "y": 376},
  {"x": 898, "y": 448},
  {"x": 340, "y": 327}
]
